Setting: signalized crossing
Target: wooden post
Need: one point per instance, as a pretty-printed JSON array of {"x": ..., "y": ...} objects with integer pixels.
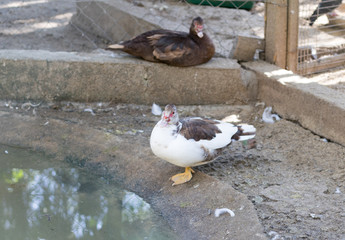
[
  {"x": 276, "y": 32},
  {"x": 292, "y": 35},
  {"x": 281, "y": 33}
]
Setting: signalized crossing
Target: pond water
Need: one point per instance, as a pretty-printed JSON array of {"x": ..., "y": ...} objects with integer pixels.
[{"x": 45, "y": 199}]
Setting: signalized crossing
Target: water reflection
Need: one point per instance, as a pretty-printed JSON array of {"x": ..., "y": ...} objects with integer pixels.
[
  {"x": 66, "y": 203},
  {"x": 134, "y": 208}
]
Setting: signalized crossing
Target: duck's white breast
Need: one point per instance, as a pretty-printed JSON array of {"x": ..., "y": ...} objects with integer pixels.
[{"x": 174, "y": 148}]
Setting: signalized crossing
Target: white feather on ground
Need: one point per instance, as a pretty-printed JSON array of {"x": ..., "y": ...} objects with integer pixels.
[
  {"x": 268, "y": 117},
  {"x": 90, "y": 111},
  {"x": 220, "y": 211}
]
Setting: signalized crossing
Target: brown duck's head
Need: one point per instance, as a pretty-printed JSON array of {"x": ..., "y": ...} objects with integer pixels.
[{"x": 197, "y": 27}]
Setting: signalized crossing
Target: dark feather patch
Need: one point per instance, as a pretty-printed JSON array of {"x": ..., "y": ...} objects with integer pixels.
[{"x": 199, "y": 129}]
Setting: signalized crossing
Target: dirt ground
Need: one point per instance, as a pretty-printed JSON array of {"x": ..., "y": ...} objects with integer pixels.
[{"x": 294, "y": 178}]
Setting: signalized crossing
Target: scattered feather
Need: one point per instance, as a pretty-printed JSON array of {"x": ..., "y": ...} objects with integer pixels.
[
  {"x": 156, "y": 110},
  {"x": 268, "y": 117},
  {"x": 314, "y": 53},
  {"x": 160, "y": 7},
  {"x": 90, "y": 111},
  {"x": 337, "y": 191},
  {"x": 315, "y": 216},
  {"x": 220, "y": 211},
  {"x": 260, "y": 104},
  {"x": 28, "y": 105},
  {"x": 274, "y": 235},
  {"x": 6, "y": 152}
]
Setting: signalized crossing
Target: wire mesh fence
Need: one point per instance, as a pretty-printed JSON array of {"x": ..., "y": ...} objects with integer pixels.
[{"x": 321, "y": 35}]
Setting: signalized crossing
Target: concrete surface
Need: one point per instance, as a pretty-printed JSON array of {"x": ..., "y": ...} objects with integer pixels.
[
  {"x": 83, "y": 140},
  {"x": 316, "y": 107},
  {"x": 116, "y": 24},
  {"x": 57, "y": 76}
]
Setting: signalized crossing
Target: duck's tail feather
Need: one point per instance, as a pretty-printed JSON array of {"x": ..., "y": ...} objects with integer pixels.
[
  {"x": 244, "y": 132},
  {"x": 115, "y": 47}
]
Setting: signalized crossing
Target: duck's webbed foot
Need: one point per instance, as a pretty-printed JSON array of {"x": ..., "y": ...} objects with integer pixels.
[{"x": 182, "y": 177}]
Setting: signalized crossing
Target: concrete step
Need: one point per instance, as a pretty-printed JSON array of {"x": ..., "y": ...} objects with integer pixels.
[
  {"x": 316, "y": 107},
  {"x": 104, "y": 76}
]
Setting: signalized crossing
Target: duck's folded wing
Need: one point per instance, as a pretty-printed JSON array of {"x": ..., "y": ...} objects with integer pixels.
[
  {"x": 211, "y": 134},
  {"x": 171, "y": 45}
]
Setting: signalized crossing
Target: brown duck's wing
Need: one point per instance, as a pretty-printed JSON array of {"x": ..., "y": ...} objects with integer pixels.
[
  {"x": 199, "y": 129},
  {"x": 141, "y": 45},
  {"x": 172, "y": 45}
]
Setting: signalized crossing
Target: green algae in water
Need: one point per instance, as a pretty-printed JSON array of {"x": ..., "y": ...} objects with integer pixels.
[{"x": 44, "y": 199}]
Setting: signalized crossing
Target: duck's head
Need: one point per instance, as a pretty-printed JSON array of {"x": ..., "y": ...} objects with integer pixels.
[
  {"x": 170, "y": 115},
  {"x": 197, "y": 27}
]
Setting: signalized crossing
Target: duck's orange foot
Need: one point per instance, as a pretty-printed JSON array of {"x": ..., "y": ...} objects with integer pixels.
[{"x": 182, "y": 177}]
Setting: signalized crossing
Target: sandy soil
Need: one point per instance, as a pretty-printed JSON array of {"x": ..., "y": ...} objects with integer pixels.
[{"x": 294, "y": 178}]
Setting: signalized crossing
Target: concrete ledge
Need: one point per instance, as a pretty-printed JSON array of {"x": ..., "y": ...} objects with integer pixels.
[
  {"x": 316, "y": 107},
  {"x": 57, "y": 76}
]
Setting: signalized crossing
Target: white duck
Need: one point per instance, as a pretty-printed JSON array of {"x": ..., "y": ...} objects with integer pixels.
[{"x": 193, "y": 141}]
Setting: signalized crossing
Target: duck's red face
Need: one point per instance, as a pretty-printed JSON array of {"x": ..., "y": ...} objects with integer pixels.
[
  {"x": 198, "y": 29},
  {"x": 169, "y": 115}
]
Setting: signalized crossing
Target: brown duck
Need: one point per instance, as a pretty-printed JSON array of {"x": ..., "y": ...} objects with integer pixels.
[{"x": 171, "y": 47}]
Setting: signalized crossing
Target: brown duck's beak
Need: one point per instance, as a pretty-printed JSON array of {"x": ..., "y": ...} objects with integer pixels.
[
  {"x": 198, "y": 29},
  {"x": 200, "y": 34}
]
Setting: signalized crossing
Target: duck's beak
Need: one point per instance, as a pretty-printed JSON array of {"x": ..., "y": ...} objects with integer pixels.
[
  {"x": 198, "y": 29},
  {"x": 166, "y": 118}
]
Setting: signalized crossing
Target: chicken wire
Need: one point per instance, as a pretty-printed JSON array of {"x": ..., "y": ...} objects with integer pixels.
[
  {"x": 321, "y": 43},
  {"x": 88, "y": 25}
]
